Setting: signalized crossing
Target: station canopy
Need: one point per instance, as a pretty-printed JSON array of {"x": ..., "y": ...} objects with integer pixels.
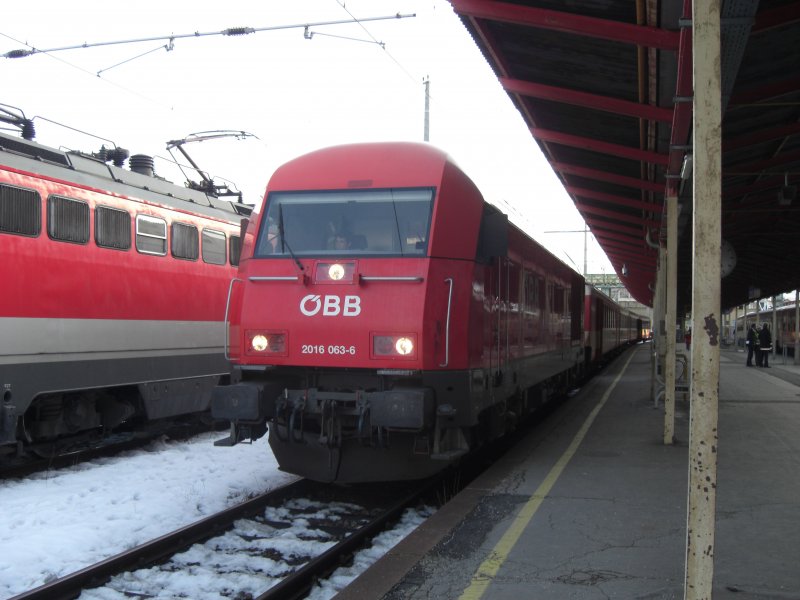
[{"x": 605, "y": 87}]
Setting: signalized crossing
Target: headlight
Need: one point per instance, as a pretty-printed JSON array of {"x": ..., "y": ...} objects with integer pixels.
[
  {"x": 267, "y": 342},
  {"x": 259, "y": 343},
  {"x": 336, "y": 272},
  {"x": 404, "y": 346},
  {"x": 394, "y": 346}
]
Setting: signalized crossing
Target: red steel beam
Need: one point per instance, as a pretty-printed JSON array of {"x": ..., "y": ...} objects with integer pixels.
[
  {"x": 759, "y": 137},
  {"x": 586, "y": 100},
  {"x": 614, "y": 199},
  {"x": 621, "y": 244},
  {"x": 770, "y": 181},
  {"x": 612, "y": 214},
  {"x": 682, "y": 117},
  {"x": 611, "y": 235},
  {"x": 606, "y": 29},
  {"x": 777, "y": 17},
  {"x": 767, "y": 163},
  {"x": 761, "y": 93},
  {"x": 598, "y": 146},
  {"x": 632, "y": 182},
  {"x": 630, "y": 259},
  {"x": 638, "y": 257},
  {"x": 607, "y": 226}
]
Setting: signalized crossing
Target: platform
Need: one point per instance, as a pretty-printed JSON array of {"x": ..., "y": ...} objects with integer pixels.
[{"x": 592, "y": 505}]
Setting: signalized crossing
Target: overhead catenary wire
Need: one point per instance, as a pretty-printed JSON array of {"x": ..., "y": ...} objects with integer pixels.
[
  {"x": 389, "y": 54},
  {"x": 231, "y": 31}
]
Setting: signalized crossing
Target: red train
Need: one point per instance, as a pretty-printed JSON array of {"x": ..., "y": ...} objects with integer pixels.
[
  {"x": 386, "y": 320},
  {"x": 607, "y": 327},
  {"x": 114, "y": 288}
]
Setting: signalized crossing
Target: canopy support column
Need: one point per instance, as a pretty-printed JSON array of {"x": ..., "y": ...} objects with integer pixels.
[
  {"x": 671, "y": 318},
  {"x": 706, "y": 286}
]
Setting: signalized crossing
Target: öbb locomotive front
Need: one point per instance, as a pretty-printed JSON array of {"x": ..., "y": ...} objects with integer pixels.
[{"x": 386, "y": 320}]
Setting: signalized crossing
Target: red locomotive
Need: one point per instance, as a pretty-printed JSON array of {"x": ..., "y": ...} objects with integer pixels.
[
  {"x": 386, "y": 320},
  {"x": 114, "y": 287}
]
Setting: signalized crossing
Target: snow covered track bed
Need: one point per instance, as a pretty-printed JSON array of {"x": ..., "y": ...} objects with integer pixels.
[{"x": 276, "y": 544}]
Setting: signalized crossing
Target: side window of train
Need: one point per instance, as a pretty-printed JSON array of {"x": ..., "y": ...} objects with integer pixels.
[
  {"x": 557, "y": 300},
  {"x": 235, "y": 249},
  {"x": 112, "y": 228},
  {"x": 214, "y": 247},
  {"x": 67, "y": 220},
  {"x": 20, "y": 211},
  {"x": 151, "y": 235},
  {"x": 184, "y": 241}
]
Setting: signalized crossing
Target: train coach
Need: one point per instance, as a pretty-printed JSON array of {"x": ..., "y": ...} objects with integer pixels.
[
  {"x": 608, "y": 328},
  {"x": 386, "y": 320},
  {"x": 114, "y": 284}
]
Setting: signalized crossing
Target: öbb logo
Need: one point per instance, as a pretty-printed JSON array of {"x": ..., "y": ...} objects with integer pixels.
[{"x": 331, "y": 306}]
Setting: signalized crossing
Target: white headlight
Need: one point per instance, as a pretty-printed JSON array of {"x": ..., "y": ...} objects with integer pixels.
[
  {"x": 404, "y": 346},
  {"x": 336, "y": 272},
  {"x": 259, "y": 343}
]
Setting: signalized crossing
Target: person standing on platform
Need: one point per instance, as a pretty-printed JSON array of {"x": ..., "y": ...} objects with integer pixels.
[
  {"x": 688, "y": 338},
  {"x": 765, "y": 345},
  {"x": 752, "y": 344},
  {"x": 751, "y": 341}
]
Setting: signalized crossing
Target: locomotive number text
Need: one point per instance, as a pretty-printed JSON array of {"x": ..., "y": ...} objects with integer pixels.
[{"x": 330, "y": 349}]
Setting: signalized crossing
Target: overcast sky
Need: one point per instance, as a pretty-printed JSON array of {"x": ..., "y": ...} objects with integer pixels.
[{"x": 295, "y": 94}]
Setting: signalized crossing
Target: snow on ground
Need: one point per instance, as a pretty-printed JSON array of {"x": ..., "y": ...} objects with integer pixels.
[{"x": 55, "y": 523}]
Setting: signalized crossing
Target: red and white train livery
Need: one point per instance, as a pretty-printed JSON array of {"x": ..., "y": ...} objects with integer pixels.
[{"x": 114, "y": 284}]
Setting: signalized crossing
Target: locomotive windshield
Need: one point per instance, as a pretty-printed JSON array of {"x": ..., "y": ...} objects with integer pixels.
[{"x": 392, "y": 222}]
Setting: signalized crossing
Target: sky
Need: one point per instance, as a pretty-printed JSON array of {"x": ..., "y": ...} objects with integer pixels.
[
  {"x": 293, "y": 92},
  {"x": 55, "y": 523}
]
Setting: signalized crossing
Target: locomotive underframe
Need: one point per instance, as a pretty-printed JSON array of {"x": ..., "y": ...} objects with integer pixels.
[
  {"x": 359, "y": 425},
  {"x": 48, "y": 400}
]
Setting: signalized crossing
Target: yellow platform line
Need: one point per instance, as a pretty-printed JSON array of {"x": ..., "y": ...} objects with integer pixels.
[{"x": 489, "y": 568}]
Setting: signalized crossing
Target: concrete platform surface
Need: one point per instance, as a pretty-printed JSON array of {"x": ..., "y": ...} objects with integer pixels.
[{"x": 592, "y": 505}]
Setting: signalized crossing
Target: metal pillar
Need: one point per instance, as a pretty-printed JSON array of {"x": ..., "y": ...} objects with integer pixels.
[
  {"x": 707, "y": 127},
  {"x": 774, "y": 330},
  {"x": 660, "y": 340},
  {"x": 426, "y": 128},
  {"x": 671, "y": 318},
  {"x": 796, "y": 327},
  {"x": 658, "y": 331}
]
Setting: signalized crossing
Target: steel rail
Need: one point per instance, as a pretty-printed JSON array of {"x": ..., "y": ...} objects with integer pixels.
[
  {"x": 70, "y": 586},
  {"x": 298, "y": 584}
]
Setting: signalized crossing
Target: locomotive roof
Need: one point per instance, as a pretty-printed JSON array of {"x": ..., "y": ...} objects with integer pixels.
[{"x": 86, "y": 170}]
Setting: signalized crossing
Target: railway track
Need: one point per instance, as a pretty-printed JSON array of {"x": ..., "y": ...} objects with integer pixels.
[
  {"x": 275, "y": 563},
  {"x": 356, "y": 515}
]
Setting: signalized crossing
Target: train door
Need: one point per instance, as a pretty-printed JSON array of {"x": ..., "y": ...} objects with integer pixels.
[{"x": 502, "y": 315}]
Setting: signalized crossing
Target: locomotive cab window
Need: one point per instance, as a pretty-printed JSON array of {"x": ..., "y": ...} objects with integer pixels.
[
  {"x": 393, "y": 222},
  {"x": 20, "y": 211},
  {"x": 151, "y": 235},
  {"x": 67, "y": 220}
]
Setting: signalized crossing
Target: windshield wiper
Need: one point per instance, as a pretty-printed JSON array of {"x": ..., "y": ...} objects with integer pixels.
[{"x": 283, "y": 239}]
